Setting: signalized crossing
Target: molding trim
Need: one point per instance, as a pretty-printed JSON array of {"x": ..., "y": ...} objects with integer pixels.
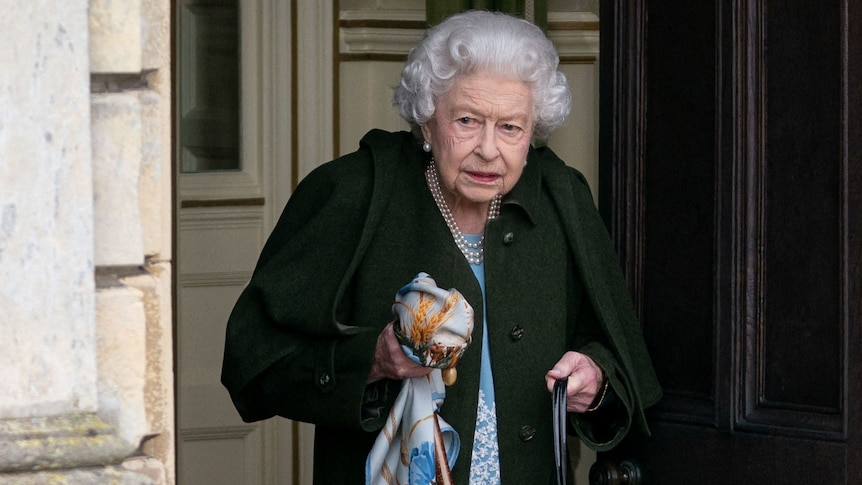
[
  {"x": 55, "y": 442},
  {"x": 217, "y": 433},
  {"x": 361, "y": 42},
  {"x": 196, "y": 203},
  {"x": 389, "y": 35},
  {"x": 315, "y": 84},
  {"x": 222, "y": 279},
  {"x": 224, "y": 215},
  {"x": 622, "y": 135}
]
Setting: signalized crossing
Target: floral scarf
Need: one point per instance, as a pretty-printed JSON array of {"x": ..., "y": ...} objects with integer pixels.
[{"x": 416, "y": 446}]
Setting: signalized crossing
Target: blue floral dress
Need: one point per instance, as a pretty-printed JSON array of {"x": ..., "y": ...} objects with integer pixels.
[{"x": 485, "y": 462}]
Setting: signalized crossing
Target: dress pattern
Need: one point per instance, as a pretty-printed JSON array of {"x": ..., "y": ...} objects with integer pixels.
[
  {"x": 485, "y": 465},
  {"x": 485, "y": 461}
]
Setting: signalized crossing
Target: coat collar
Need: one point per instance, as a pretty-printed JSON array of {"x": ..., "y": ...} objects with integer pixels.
[{"x": 525, "y": 195}]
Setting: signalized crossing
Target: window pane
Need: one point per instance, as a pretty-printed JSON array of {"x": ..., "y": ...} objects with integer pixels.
[{"x": 209, "y": 88}]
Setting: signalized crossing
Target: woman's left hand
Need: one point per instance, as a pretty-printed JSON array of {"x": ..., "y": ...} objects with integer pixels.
[{"x": 585, "y": 380}]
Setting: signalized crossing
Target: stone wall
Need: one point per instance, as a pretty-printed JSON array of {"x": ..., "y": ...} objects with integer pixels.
[{"x": 86, "y": 394}]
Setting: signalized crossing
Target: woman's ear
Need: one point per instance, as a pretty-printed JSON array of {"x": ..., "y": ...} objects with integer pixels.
[{"x": 426, "y": 131}]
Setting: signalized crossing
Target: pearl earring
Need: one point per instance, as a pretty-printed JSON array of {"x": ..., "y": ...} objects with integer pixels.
[{"x": 426, "y": 147}]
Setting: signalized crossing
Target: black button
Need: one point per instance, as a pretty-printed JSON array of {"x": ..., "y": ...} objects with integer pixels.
[
  {"x": 516, "y": 333},
  {"x": 527, "y": 432},
  {"x": 509, "y": 237},
  {"x": 324, "y": 379}
]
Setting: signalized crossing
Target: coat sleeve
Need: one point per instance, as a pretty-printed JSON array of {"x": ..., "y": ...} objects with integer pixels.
[
  {"x": 622, "y": 353},
  {"x": 286, "y": 336}
]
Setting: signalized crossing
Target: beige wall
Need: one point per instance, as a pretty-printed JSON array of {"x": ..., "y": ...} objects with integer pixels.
[{"x": 85, "y": 242}]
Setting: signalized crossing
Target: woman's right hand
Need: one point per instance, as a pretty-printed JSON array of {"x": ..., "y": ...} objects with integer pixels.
[{"x": 390, "y": 362}]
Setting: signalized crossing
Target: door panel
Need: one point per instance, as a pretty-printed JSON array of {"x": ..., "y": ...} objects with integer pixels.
[
  {"x": 727, "y": 171},
  {"x": 232, "y": 165}
]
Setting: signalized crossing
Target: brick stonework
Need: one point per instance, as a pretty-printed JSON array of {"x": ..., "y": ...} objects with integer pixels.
[{"x": 85, "y": 243}]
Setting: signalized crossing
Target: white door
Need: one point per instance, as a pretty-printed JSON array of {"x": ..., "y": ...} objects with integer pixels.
[{"x": 234, "y": 151}]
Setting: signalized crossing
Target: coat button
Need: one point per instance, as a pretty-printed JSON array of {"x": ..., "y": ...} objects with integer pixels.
[
  {"x": 324, "y": 379},
  {"x": 527, "y": 432},
  {"x": 508, "y": 237},
  {"x": 516, "y": 333}
]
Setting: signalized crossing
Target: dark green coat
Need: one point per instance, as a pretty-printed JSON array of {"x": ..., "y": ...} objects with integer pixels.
[{"x": 301, "y": 338}]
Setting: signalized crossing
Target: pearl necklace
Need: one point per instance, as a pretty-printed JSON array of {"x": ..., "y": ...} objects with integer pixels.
[{"x": 474, "y": 252}]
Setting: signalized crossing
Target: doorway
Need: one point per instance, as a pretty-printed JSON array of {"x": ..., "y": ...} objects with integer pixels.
[{"x": 300, "y": 90}]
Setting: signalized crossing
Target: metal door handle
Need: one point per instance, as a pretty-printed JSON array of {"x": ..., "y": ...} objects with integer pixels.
[{"x": 608, "y": 473}]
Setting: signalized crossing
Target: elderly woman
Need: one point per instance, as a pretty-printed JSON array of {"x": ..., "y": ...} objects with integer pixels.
[{"x": 466, "y": 199}]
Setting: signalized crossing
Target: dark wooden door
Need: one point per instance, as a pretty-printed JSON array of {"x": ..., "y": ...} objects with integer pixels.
[{"x": 731, "y": 180}]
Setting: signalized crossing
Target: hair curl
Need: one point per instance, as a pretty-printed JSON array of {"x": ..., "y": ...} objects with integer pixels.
[{"x": 476, "y": 41}]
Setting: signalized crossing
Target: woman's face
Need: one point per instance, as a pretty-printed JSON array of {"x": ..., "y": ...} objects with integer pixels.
[{"x": 480, "y": 134}]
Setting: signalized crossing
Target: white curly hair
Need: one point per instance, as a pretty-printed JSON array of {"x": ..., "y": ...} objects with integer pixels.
[{"x": 476, "y": 41}]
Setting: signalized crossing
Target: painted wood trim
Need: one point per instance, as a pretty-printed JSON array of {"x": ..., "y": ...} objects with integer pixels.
[{"x": 389, "y": 35}]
